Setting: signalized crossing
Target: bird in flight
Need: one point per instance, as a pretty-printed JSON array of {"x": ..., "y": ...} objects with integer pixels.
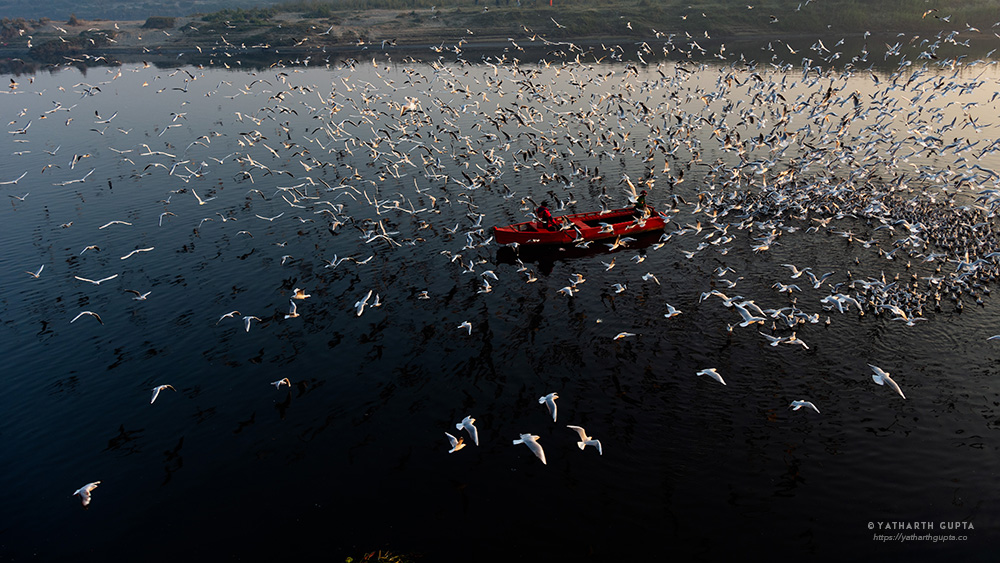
[
  {"x": 91, "y": 313},
  {"x": 713, "y": 374},
  {"x": 157, "y": 389},
  {"x": 97, "y": 282},
  {"x": 882, "y": 378},
  {"x": 550, "y": 402},
  {"x": 456, "y": 443},
  {"x": 586, "y": 440},
  {"x": 84, "y": 492},
  {"x": 796, "y": 405},
  {"x": 532, "y": 442},
  {"x": 468, "y": 423},
  {"x": 138, "y": 296}
]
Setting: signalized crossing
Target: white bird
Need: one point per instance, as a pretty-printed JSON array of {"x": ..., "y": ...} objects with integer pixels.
[
  {"x": 567, "y": 291},
  {"x": 84, "y": 492},
  {"x": 359, "y": 306},
  {"x": 467, "y": 326},
  {"x": 293, "y": 311},
  {"x": 468, "y": 423},
  {"x": 649, "y": 276},
  {"x": 456, "y": 443},
  {"x": 796, "y": 405},
  {"x": 586, "y": 440},
  {"x": 713, "y": 374},
  {"x": 748, "y": 317},
  {"x": 228, "y": 315},
  {"x": 300, "y": 294},
  {"x": 138, "y": 296},
  {"x": 283, "y": 381},
  {"x": 202, "y": 201},
  {"x": 247, "y": 319},
  {"x": 157, "y": 389},
  {"x": 91, "y": 313},
  {"x": 97, "y": 282},
  {"x": 882, "y": 378},
  {"x": 621, "y": 335},
  {"x": 36, "y": 273},
  {"x": 532, "y": 442},
  {"x": 550, "y": 402},
  {"x": 618, "y": 287},
  {"x": 136, "y": 251},
  {"x": 671, "y": 311},
  {"x": 115, "y": 222}
]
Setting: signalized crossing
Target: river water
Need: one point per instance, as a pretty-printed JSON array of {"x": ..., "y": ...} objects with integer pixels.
[{"x": 352, "y": 456}]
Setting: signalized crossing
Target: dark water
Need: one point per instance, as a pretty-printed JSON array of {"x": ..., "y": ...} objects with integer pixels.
[{"x": 352, "y": 457}]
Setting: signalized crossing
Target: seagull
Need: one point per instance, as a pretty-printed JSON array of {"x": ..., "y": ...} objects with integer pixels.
[
  {"x": 713, "y": 374},
  {"x": 37, "y": 273},
  {"x": 228, "y": 315},
  {"x": 796, "y": 405},
  {"x": 84, "y": 492},
  {"x": 586, "y": 440},
  {"x": 271, "y": 218},
  {"x": 293, "y": 311},
  {"x": 136, "y": 251},
  {"x": 115, "y": 222},
  {"x": 202, "y": 201},
  {"x": 283, "y": 381},
  {"x": 467, "y": 326},
  {"x": 300, "y": 294},
  {"x": 246, "y": 321},
  {"x": 567, "y": 291},
  {"x": 97, "y": 282},
  {"x": 671, "y": 311},
  {"x": 532, "y": 442},
  {"x": 621, "y": 335},
  {"x": 157, "y": 389},
  {"x": 456, "y": 443},
  {"x": 138, "y": 296},
  {"x": 359, "y": 306},
  {"x": 748, "y": 317},
  {"x": 468, "y": 423},
  {"x": 882, "y": 378},
  {"x": 550, "y": 402},
  {"x": 91, "y": 313},
  {"x": 619, "y": 288},
  {"x": 649, "y": 276}
]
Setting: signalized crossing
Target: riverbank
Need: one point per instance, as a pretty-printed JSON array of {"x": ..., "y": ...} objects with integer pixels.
[{"x": 300, "y": 30}]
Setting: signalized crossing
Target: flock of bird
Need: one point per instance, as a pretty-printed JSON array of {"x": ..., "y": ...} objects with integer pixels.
[{"x": 392, "y": 157}]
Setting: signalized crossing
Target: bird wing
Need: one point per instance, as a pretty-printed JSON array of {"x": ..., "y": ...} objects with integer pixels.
[
  {"x": 536, "y": 448},
  {"x": 580, "y": 431}
]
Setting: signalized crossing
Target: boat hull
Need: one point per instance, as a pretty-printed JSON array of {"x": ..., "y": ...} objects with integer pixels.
[{"x": 580, "y": 227}]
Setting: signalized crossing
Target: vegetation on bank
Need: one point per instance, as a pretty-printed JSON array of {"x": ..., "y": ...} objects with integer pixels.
[
  {"x": 320, "y": 23},
  {"x": 381, "y": 557}
]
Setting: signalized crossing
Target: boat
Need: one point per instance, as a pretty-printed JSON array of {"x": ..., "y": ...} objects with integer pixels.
[{"x": 580, "y": 227}]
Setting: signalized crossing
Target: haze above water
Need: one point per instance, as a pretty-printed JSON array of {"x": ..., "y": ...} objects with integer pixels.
[{"x": 239, "y": 186}]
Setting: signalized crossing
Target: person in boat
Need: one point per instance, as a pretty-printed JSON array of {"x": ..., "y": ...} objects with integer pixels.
[
  {"x": 545, "y": 216},
  {"x": 640, "y": 204}
]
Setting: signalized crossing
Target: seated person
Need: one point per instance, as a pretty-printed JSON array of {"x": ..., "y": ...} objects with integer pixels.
[
  {"x": 640, "y": 205},
  {"x": 545, "y": 216}
]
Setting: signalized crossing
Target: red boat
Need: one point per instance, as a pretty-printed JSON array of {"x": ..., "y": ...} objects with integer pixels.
[{"x": 580, "y": 227}]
